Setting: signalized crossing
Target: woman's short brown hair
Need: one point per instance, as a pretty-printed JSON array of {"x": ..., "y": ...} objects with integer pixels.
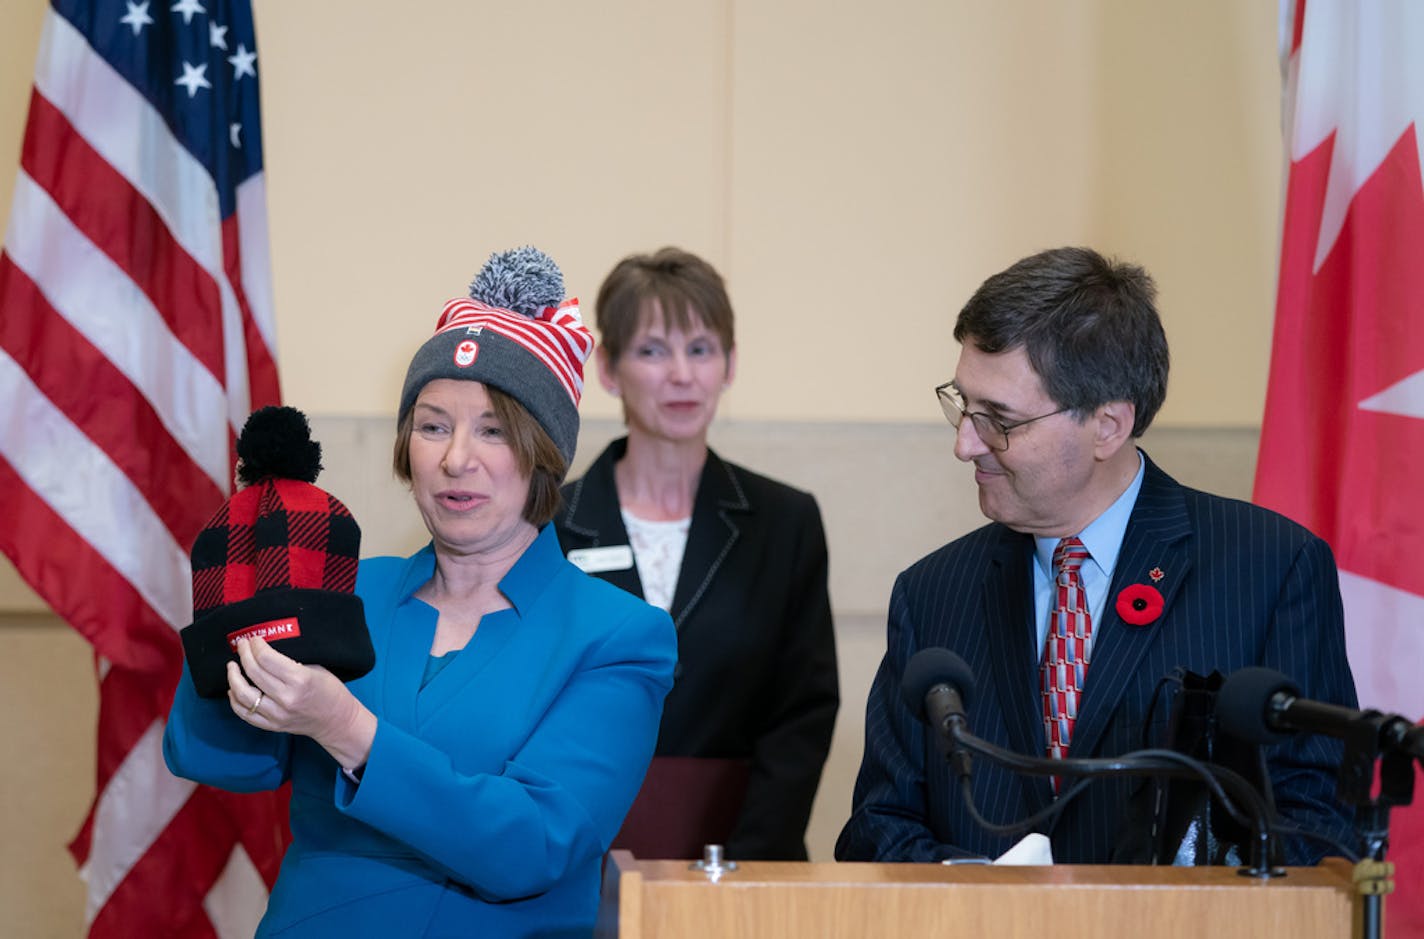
[
  {"x": 689, "y": 292},
  {"x": 538, "y": 459}
]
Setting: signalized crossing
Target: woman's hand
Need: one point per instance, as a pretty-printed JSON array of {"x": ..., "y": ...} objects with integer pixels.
[{"x": 280, "y": 694}]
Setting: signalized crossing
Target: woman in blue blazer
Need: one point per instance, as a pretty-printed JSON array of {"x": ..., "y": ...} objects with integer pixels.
[{"x": 471, "y": 782}]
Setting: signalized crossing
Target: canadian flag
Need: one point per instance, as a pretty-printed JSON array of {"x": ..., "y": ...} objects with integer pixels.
[{"x": 1342, "y": 443}]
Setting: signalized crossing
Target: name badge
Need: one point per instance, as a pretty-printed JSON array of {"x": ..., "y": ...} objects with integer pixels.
[{"x": 617, "y": 557}]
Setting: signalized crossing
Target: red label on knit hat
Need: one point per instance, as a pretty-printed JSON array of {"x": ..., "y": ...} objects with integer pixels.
[
  {"x": 271, "y": 631},
  {"x": 466, "y": 353}
]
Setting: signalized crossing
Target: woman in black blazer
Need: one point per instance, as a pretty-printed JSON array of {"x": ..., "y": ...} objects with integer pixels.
[{"x": 738, "y": 559}]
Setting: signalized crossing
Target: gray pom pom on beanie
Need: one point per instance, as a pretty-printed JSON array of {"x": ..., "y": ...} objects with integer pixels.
[
  {"x": 525, "y": 280},
  {"x": 515, "y": 333}
]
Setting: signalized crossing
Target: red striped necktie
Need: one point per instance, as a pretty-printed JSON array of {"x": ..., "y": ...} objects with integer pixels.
[{"x": 1065, "y": 653}]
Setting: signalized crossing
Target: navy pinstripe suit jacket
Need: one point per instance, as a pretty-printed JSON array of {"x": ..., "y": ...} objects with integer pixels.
[{"x": 1242, "y": 586}]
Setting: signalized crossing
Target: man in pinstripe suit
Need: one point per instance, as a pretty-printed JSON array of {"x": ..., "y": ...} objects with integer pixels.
[{"x": 1063, "y": 366}]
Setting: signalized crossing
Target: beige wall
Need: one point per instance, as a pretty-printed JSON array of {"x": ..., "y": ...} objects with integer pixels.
[
  {"x": 848, "y": 165},
  {"x": 854, "y": 169}
]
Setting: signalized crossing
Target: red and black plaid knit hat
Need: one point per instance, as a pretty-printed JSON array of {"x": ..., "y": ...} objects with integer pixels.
[{"x": 278, "y": 561}]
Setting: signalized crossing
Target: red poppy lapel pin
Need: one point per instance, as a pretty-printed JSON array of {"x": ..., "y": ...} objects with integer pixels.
[{"x": 1140, "y": 604}]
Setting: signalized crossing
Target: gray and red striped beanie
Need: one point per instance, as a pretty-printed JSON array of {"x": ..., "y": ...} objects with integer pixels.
[
  {"x": 517, "y": 333},
  {"x": 278, "y": 560}
]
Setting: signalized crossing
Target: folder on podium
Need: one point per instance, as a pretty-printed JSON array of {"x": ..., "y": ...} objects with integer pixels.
[
  {"x": 684, "y": 803},
  {"x": 797, "y": 900}
]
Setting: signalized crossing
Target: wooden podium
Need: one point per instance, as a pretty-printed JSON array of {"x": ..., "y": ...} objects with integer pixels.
[{"x": 788, "y": 900}]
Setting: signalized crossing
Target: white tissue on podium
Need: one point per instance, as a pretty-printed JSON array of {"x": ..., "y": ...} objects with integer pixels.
[{"x": 1032, "y": 849}]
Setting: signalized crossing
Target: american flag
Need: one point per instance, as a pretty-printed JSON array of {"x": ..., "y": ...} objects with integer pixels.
[
  {"x": 1342, "y": 444},
  {"x": 136, "y": 334}
]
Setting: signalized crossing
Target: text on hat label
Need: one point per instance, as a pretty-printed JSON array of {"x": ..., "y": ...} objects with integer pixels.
[{"x": 271, "y": 631}]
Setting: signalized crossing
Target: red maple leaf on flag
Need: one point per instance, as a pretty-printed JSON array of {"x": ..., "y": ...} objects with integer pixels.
[{"x": 1342, "y": 443}]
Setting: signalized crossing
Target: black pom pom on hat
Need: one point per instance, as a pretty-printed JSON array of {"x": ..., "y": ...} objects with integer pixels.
[
  {"x": 276, "y": 442},
  {"x": 278, "y": 561}
]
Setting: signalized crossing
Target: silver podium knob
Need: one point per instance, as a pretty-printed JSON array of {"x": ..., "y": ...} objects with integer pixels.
[{"x": 712, "y": 863}]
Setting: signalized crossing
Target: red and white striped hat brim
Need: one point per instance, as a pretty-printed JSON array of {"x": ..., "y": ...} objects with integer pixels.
[{"x": 556, "y": 337}]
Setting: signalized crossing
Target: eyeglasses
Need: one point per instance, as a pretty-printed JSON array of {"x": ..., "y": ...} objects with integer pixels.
[{"x": 991, "y": 430}]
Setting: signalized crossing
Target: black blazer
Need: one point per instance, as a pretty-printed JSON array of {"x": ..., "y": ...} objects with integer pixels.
[
  {"x": 756, "y": 675},
  {"x": 1242, "y": 586}
]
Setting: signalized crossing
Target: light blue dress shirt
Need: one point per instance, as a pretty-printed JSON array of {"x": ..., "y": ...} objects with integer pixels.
[{"x": 1103, "y": 539}]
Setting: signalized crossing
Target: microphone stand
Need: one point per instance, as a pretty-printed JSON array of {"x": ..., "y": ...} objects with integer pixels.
[
  {"x": 955, "y": 731},
  {"x": 1368, "y": 741}
]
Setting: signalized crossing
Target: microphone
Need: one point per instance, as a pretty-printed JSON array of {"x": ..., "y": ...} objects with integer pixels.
[
  {"x": 1263, "y": 706},
  {"x": 937, "y": 686}
]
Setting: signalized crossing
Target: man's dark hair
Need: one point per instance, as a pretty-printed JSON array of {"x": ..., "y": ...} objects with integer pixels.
[{"x": 1088, "y": 324}]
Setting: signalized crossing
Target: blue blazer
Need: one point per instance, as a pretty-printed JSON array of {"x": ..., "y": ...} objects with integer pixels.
[
  {"x": 491, "y": 793},
  {"x": 1242, "y": 586}
]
